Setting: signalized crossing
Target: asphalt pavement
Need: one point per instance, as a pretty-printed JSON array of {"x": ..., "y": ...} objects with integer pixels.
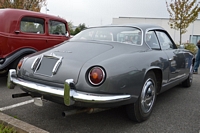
[{"x": 176, "y": 111}]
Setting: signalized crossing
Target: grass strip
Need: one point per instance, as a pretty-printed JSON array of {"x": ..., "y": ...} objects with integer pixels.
[{"x": 6, "y": 129}]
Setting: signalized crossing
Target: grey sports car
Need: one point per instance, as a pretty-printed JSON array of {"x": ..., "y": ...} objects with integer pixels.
[{"x": 105, "y": 67}]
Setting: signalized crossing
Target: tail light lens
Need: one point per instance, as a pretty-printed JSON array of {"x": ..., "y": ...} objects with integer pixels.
[
  {"x": 20, "y": 64},
  {"x": 96, "y": 76}
]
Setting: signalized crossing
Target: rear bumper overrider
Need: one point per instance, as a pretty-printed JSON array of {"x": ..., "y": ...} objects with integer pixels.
[{"x": 69, "y": 94}]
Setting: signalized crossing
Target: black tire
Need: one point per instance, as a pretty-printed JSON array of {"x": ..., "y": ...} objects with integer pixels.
[
  {"x": 188, "y": 81},
  {"x": 15, "y": 63},
  {"x": 141, "y": 111},
  {"x": 4, "y": 73}
]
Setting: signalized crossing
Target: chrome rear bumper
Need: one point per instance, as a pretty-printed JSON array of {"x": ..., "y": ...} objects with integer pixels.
[{"x": 70, "y": 95}]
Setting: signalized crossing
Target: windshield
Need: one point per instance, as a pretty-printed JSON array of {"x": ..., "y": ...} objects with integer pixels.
[{"x": 128, "y": 35}]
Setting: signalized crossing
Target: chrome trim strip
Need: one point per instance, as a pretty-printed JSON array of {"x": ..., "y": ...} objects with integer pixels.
[
  {"x": 10, "y": 83},
  {"x": 13, "y": 80},
  {"x": 177, "y": 77},
  {"x": 78, "y": 96},
  {"x": 56, "y": 66},
  {"x": 69, "y": 95},
  {"x": 33, "y": 64}
]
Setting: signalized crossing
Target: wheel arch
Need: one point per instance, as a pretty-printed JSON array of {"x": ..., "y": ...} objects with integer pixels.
[
  {"x": 193, "y": 61},
  {"x": 15, "y": 56},
  {"x": 158, "y": 75}
]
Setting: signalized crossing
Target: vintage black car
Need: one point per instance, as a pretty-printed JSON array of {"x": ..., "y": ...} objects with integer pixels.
[{"x": 105, "y": 67}]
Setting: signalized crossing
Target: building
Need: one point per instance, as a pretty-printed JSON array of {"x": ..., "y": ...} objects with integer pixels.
[{"x": 192, "y": 35}]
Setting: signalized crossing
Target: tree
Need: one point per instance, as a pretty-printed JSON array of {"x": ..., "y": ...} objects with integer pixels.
[
  {"x": 182, "y": 13},
  {"x": 33, "y": 5},
  {"x": 70, "y": 26},
  {"x": 79, "y": 28}
]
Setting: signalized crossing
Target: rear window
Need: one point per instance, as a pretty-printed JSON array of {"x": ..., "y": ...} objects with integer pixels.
[
  {"x": 129, "y": 35},
  {"x": 32, "y": 25}
]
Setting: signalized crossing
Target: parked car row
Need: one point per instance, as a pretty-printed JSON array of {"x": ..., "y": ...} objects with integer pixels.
[{"x": 104, "y": 67}]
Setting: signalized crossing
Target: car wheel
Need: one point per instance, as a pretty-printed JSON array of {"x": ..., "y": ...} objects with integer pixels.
[
  {"x": 15, "y": 63},
  {"x": 4, "y": 72},
  {"x": 188, "y": 81},
  {"x": 142, "y": 108}
]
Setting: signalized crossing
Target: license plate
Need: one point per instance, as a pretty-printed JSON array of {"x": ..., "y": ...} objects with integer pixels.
[{"x": 46, "y": 66}]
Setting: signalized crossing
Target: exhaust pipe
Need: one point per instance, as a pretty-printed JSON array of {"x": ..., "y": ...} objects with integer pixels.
[
  {"x": 20, "y": 95},
  {"x": 88, "y": 110}
]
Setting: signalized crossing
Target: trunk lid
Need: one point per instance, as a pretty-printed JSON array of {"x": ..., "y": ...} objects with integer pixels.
[{"x": 74, "y": 55}]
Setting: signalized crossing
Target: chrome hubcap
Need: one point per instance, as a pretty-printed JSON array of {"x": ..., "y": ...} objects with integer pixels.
[{"x": 148, "y": 95}]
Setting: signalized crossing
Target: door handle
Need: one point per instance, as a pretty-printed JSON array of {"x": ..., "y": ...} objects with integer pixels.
[
  {"x": 170, "y": 59},
  {"x": 17, "y": 32}
]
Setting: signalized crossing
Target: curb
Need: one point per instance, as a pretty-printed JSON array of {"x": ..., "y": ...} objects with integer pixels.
[{"x": 19, "y": 126}]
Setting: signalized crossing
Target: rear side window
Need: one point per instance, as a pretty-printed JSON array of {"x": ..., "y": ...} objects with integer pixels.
[
  {"x": 57, "y": 28},
  {"x": 32, "y": 25},
  {"x": 151, "y": 40},
  {"x": 164, "y": 40}
]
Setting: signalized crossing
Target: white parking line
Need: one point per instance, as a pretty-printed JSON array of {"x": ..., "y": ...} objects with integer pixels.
[{"x": 16, "y": 105}]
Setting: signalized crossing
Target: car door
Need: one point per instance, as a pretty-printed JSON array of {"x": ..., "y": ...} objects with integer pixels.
[
  {"x": 30, "y": 32},
  {"x": 175, "y": 56}
]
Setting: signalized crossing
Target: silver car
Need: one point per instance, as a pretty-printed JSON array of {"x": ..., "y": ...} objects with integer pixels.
[{"x": 105, "y": 67}]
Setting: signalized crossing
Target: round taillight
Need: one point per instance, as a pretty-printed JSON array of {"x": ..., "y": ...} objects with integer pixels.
[
  {"x": 20, "y": 64},
  {"x": 96, "y": 76}
]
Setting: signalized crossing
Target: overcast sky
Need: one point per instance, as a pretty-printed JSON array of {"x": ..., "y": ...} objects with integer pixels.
[{"x": 101, "y": 12}]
